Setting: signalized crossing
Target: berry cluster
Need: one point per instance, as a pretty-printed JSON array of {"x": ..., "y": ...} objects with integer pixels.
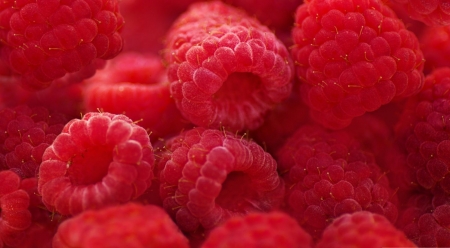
[{"x": 224, "y": 123}]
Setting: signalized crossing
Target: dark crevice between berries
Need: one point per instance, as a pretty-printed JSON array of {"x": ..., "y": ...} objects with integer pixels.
[
  {"x": 239, "y": 87},
  {"x": 90, "y": 166},
  {"x": 237, "y": 194}
]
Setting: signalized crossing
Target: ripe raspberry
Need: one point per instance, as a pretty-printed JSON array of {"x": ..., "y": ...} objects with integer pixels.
[
  {"x": 430, "y": 12},
  {"x": 363, "y": 229},
  {"x": 24, "y": 135},
  {"x": 353, "y": 57},
  {"x": 327, "y": 174},
  {"x": 128, "y": 225},
  {"x": 210, "y": 176},
  {"x": 46, "y": 39},
  {"x": 425, "y": 220},
  {"x": 434, "y": 44},
  {"x": 273, "y": 229},
  {"x": 134, "y": 85},
  {"x": 225, "y": 68},
  {"x": 100, "y": 160},
  {"x": 422, "y": 131},
  {"x": 15, "y": 217}
]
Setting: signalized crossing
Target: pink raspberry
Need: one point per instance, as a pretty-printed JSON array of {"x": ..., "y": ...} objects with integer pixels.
[
  {"x": 225, "y": 68},
  {"x": 15, "y": 217},
  {"x": 430, "y": 12},
  {"x": 353, "y": 57},
  {"x": 135, "y": 85},
  {"x": 425, "y": 220},
  {"x": 99, "y": 160},
  {"x": 128, "y": 225},
  {"x": 422, "y": 132},
  {"x": 46, "y": 39},
  {"x": 25, "y": 133},
  {"x": 327, "y": 174},
  {"x": 210, "y": 176},
  {"x": 363, "y": 229},
  {"x": 434, "y": 44},
  {"x": 264, "y": 230}
]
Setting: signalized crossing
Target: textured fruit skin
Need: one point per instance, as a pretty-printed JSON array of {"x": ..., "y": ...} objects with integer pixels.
[
  {"x": 259, "y": 230},
  {"x": 128, "y": 225},
  {"x": 225, "y": 68},
  {"x": 47, "y": 39},
  {"x": 353, "y": 57},
  {"x": 208, "y": 176},
  {"x": 25, "y": 133},
  {"x": 432, "y": 12},
  {"x": 136, "y": 85},
  {"x": 363, "y": 229},
  {"x": 15, "y": 217},
  {"x": 102, "y": 159},
  {"x": 327, "y": 174},
  {"x": 425, "y": 219},
  {"x": 422, "y": 132}
]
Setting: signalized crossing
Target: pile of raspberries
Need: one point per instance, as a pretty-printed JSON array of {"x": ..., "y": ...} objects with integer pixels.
[{"x": 224, "y": 123}]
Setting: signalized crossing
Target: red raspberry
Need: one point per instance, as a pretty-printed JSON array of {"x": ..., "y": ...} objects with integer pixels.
[
  {"x": 225, "y": 68},
  {"x": 430, "y": 12},
  {"x": 46, "y": 39},
  {"x": 426, "y": 219},
  {"x": 434, "y": 44},
  {"x": 210, "y": 176},
  {"x": 134, "y": 85},
  {"x": 423, "y": 131},
  {"x": 363, "y": 229},
  {"x": 15, "y": 217},
  {"x": 25, "y": 133},
  {"x": 353, "y": 57},
  {"x": 327, "y": 174},
  {"x": 129, "y": 225},
  {"x": 273, "y": 229},
  {"x": 100, "y": 160}
]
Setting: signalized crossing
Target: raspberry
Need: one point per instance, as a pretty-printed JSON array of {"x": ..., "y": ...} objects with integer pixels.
[
  {"x": 434, "y": 44},
  {"x": 363, "y": 229},
  {"x": 422, "y": 131},
  {"x": 24, "y": 135},
  {"x": 46, "y": 39},
  {"x": 129, "y": 225},
  {"x": 134, "y": 85},
  {"x": 327, "y": 174},
  {"x": 15, "y": 217},
  {"x": 99, "y": 160},
  {"x": 273, "y": 229},
  {"x": 431, "y": 12},
  {"x": 353, "y": 57},
  {"x": 225, "y": 68},
  {"x": 210, "y": 176},
  {"x": 425, "y": 220}
]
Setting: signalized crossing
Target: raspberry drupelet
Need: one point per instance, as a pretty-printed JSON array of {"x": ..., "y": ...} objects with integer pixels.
[
  {"x": 128, "y": 225},
  {"x": 99, "y": 160},
  {"x": 225, "y": 68},
  {"x": 25, "y": 133},
  {"x": 43, "y": 40},
  {"x": 15, "y": 217},
  {"x": 353, "y": 57},
  {"x": 422, "y": 132},
  {"x": 209, "y": 176},
  {"x": 259, "y": 230},
  {"x": 327, "y": 174},
  {"x": 363, "y": 229}
]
